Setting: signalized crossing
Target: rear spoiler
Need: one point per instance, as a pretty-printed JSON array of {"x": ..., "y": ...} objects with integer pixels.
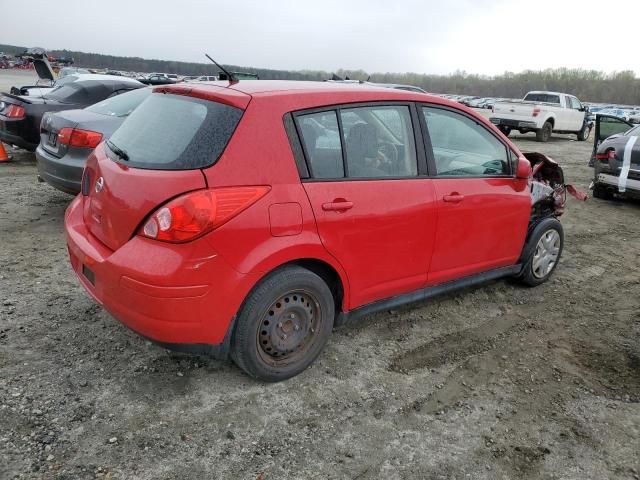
[{"x": 16, "y": 97}]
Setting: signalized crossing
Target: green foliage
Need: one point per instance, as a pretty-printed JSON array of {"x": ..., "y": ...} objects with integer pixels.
[{"x": 589, "y": 85}]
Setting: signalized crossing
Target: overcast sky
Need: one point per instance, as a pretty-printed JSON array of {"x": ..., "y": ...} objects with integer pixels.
[{"x": 479, "y": 36}]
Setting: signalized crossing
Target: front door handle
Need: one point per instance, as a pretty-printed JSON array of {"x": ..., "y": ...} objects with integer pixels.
[
  {"x": 453, "y": 198},
  {"x": 337, "y": 206}
]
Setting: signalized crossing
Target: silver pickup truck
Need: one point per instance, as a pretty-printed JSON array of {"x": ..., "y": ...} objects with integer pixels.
[{"x": 543, "y": 113}]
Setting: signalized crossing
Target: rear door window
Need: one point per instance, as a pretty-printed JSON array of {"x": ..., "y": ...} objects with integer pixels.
[
  {"x": 174, "y": 132},
  {"x": 379, "y": 142},
  {"x": 321, "y": 140},
  {"x": 362, "y": 142}
]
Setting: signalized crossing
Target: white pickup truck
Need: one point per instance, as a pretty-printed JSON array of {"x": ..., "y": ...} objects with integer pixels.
[{"x": 543, "y": 113}]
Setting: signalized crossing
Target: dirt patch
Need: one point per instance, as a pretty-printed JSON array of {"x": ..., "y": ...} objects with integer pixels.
[{"x": 458, "y": 345}]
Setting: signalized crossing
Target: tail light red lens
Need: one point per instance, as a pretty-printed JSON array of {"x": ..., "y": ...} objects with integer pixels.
[
  {"x": 605, "y": 157},
  {"x": 75, "y": 137},
  {"x": 196, "y": 213},
  {"x": 536, "y": 112},
  {"x": 15, "y": 111}
]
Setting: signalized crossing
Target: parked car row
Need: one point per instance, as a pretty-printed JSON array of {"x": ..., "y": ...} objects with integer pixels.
[{"x": 473, "y": 101}]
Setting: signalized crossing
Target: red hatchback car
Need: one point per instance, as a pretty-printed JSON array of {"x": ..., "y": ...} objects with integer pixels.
[{"x": 248, "y": 219}]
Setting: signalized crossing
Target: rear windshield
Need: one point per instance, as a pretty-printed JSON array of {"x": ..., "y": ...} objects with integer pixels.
[
  {"x": 121, "y": 105},
  {"x": 542, "y": 97},
  {"x": 80, "y": 92},
  {"x": 174, "y": 132}
]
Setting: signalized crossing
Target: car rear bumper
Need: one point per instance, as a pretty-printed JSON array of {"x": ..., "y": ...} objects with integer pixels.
[
  {"x": 64, "y": 173},
  {"x": 17, "y": 140},
  {"x": 507, "y": 122},
  {"x": 632, "y": 185},
  {"x": 184, "y": 297}
]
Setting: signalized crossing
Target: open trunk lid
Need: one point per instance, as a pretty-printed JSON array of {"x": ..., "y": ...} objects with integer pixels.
[{"x": 156, "y": 155}]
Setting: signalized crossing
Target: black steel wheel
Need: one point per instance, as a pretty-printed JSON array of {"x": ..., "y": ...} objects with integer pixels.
[{"x": 283, "y": 325}]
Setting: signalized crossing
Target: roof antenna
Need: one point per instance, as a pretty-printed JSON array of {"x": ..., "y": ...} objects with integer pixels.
[{"x": 232, "y": 78}]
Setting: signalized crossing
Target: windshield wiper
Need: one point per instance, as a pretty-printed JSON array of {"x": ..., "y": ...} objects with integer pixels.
[{"x": 118, "y": 151}]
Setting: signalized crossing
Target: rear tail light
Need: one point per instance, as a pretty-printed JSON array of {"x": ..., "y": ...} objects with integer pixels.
[
  {"x": 196, "y": 213},
  {"x": 536, "y": 112},
  {"x": 605, "y": 157},
  {"x": 15, "y": 111},
  {"x": 74, "y": 137}
]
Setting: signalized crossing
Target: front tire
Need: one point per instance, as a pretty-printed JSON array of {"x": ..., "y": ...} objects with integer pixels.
[
  {"x": 544, "y": 134},
  {"x": 283, "y": 324},
  {"x": 547, "y": 242}
]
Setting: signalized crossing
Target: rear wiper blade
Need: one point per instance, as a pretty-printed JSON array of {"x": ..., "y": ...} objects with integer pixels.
[{"x": 118, "y": 151}]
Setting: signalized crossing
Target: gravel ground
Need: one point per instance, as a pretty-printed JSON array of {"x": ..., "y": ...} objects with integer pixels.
[{"x": 495, "y": 382}]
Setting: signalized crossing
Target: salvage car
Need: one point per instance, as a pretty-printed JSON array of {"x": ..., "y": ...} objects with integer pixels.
[
  {"x": 615, "y": 158},
  {"x": 542, "y": 113},
  {"x": 249, "y": 219},
  {"x": 68, "y": 137},
  {"x": 21, "y": 116}
]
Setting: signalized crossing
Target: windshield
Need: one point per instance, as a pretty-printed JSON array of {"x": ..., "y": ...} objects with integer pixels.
[
  {"x": 121, "y": 105},
  {"x": 174, "y": 132},
  {"x": 542, "y": 97}
]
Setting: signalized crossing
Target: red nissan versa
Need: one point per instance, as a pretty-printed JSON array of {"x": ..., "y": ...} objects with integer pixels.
[{"x": 248, "y": 219}]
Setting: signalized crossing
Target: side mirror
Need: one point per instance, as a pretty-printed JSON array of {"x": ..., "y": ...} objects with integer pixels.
[{"x": 523, "y": 169}]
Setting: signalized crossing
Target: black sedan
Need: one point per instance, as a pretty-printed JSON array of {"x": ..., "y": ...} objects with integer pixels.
[
  {"x": 159, "y": 79},
  {"x": 20, "y": 116},
  {"x": 67, "y": 138},
  {"x": 616, "y": 158}
]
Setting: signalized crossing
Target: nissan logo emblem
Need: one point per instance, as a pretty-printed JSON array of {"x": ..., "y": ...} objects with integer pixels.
[{"x": 99, "y": 184}]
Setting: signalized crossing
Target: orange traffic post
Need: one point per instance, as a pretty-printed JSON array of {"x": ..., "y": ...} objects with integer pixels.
[{"x": 3, "y": 154}]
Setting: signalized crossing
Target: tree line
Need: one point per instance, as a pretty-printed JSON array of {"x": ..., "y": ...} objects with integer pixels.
[{"x": 589, "y": 85}]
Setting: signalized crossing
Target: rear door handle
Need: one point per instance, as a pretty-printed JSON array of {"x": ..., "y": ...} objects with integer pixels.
[
  {"x": 453, "y": 198},
  {"x": 337, "y": 206}
]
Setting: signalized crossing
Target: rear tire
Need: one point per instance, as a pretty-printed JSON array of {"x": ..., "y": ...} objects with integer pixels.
[
  {"x": 547, "y": 242},
  {"x": 505, "y": 130},
  {"x": 601, "y": 192},
  {"x": 544, "y": 134},
  {"x": 283, "y": 325},
  {"x": 584, "y": 133}
]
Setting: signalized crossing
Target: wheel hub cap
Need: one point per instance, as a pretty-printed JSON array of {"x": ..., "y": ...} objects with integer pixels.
[
  {"x": 287, "y": 324},
  {"x": 546, "y": 254}
]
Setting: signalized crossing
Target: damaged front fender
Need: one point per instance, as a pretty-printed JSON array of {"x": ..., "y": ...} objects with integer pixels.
[{"x": 548, "y": 187}]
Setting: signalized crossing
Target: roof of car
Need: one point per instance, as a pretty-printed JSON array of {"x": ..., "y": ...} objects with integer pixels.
[{"x": 288, "y": 87}]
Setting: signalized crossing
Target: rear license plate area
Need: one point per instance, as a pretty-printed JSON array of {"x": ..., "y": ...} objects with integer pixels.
[
  {"x": 52, "y": 141},
  {"x": 89, "y": 275}
]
